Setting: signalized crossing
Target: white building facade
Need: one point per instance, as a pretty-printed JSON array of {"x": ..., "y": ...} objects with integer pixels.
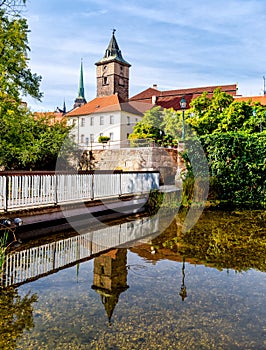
[
  {"x": 111, "y": 113},
  {"x": 105, "y": 116}
]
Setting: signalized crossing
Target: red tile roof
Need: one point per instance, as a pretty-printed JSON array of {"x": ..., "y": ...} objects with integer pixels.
[
  {"x": 173, "y": 102},
  {"x": 53, "y": 117},
  {"x": 260, "y": 99},
  {"x": 97, "y": 105},
  {"x": 110, "y": 104},
  {"x": 171, "y": 98}
]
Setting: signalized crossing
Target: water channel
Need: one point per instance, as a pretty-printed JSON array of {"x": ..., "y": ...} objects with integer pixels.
[{"x": 147, "y": 289}]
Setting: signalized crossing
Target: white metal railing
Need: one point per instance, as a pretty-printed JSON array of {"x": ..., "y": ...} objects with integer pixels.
[
  {"x": 37, "y": 190},
  {"x": 27, "y": 264}
]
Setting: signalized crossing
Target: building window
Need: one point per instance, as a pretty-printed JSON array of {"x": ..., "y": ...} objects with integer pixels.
[
  {"x": 82, "y": 121},
  {"x": 128, "y": 120},
  {"x": 92, "y": 137},
  {"x": 111, "y": 135},
  {"x": 92, "y": 121},
  {"x": 105, "y": 81},
  {"x": 82, "y": 138},
  {"x": 112, "y": 119},
  {"x": 101, "y": 120},
  {"x": 87, "y": 141}
]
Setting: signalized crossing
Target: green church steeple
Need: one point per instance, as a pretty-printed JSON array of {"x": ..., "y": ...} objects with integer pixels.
[
  {"x": 80, "y": 100},
  {"x": 81, "y": 82}
]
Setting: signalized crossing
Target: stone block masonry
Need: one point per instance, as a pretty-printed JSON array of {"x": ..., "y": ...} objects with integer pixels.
[{"x": 166, "y": 160}]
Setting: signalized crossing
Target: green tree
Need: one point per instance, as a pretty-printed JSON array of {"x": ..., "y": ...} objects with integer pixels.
[
  {"x": 232, "y": 136},
  {"x": 172, "y": 123},
  {"x": 30, "y": 143},
  {"x": 243, "y": 116},
  {"x": 12, "y": 7},
  {"x": 237, "y": 163},
  {"x": 221, "y": 113},
  {"x": 161, "y": 126},
  {"x": 150, "y": 126},
  {"x": 27, "y": 141},
  {"x": 16, "y": 79},
  {"x": 208, "y": 112}
]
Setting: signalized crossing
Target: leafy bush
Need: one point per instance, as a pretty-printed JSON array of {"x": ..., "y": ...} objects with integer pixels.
[
  {"x": 237, "y": 164},
  {"x": 103, "y": 139}
]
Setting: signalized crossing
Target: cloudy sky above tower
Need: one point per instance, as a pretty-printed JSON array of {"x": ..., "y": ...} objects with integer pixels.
[{"x": 172, "y": 43}]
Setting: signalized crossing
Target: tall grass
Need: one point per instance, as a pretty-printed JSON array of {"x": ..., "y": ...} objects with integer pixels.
[{"x": 3, "y": 247}]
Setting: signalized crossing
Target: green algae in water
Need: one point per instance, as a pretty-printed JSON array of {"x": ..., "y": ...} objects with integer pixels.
[{"x": 221, "y": 261}]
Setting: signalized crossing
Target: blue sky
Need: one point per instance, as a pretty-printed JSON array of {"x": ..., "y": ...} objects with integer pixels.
[{"x": 172, "y": 43}]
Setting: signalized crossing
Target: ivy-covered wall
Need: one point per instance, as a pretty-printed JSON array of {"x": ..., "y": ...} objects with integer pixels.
[{"x": 237, "y": 163}]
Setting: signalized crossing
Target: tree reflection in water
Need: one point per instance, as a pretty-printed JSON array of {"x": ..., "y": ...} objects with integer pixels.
[
  {"x": 16, "y": 316},
  {"x": 183, "y": 289},
  {"x": 224, "y": 240},
  {"x": 164, "y": 307}
]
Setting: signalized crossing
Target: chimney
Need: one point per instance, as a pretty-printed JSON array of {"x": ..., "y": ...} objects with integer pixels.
[{"x": 155, "y": 86}]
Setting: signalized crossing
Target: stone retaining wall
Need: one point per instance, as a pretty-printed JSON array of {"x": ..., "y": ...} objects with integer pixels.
[{"x": 166, "y": 160}]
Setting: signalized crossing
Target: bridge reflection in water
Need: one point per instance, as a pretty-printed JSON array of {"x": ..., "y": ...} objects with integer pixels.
[{"x": 26, "y": 265}]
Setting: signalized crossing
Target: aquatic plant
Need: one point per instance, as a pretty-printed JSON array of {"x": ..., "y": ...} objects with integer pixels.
[{"x": 3, "y": 247}]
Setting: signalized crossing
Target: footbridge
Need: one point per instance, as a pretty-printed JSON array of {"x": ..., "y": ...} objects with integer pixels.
[{"x": 29, "y": 190}]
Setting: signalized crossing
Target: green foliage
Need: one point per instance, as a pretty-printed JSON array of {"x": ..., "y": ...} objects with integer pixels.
[
  {"x": 12, "y": 7},
  {"x": 161, "y": 126},
  {"x": 149, "y": 127},
  {"x": 222, "y": 239},
  {"x": 26, "y": 142},
  {"x": 103, "y": 139},
  {"x": 221, "y": 113},
  {"x": 30, "y": 143},
  {"x": 16, "y": 78},
  {"x": 238, "y": 166},
  {"x": 3, "y": 247},
  {"x": 231, "y": 134},
  {"x": 16, "y": 316},
  {"x": 154, "y": 202}
]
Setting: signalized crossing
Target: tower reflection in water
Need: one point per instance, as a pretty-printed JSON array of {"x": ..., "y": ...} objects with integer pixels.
[{"x": 110, "y": 278}]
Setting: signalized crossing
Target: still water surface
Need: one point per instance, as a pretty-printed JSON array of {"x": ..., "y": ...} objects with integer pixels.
[{"x": 200, "y": 290}]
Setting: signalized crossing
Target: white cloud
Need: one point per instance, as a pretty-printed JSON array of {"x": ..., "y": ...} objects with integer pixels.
[{"x": 172, "y": 43}]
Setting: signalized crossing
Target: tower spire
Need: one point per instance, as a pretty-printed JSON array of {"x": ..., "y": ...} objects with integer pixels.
[
  {"x": 112, "y": 72},
  {"x": 81, "y": 91},
  {"x": 113, "y": 53},
  {"x": 80, "y": 100}
]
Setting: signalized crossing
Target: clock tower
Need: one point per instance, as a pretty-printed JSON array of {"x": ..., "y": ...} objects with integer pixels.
[{"x": 112, "y": 72}]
